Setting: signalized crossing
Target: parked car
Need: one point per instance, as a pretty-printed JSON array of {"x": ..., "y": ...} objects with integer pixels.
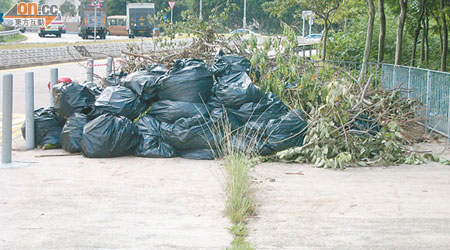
[
  {"x": 313, "y": 37},
  {"x": 56, "y": 27}
]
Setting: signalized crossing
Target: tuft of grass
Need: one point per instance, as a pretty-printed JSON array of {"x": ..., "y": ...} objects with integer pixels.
[
  {"x": 10, "y": 39},
  {"x": 239, "y": 231}
]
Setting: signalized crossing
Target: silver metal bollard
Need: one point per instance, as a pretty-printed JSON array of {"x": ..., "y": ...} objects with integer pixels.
[
  {"x": 109, "y": 64},
  {"x": 29, "y": 109},
  {"x": 53, "y": 82},
  {"x": 90, "y": 70},
  {"x": 7, "y": 118}
]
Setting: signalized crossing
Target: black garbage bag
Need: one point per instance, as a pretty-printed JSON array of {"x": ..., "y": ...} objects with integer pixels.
[
  {"x": 250, "y": 142},
  {"x": 109, "y": 136},
  {"x": 223, "y": 118},
  {"x": 71, "y": 97},
  {"x": 190, "y": 133},
  {"x": 367, "y": 125},
  {"x": 70, "y": 137},
  {"x": 47, "y": 128},
  {"x": 189, "y": 80},
  {"x": 143, "y": 82},
  {"x": 157, "y": 69},
  {"x": 97, "y": 90},
  {"x": 230, "y": 64},
  {"x": 234, "y": 90},
  {"x": 281, "y": 133},
  {"x": 170, "y": 111},
  {"x": 198, "y": 154},
  {"x": 118, "y": 100},
  {"x": 151, "y": 143},
  {"x": 115, "y": 79},
  {"x": 269, "y": 107}
]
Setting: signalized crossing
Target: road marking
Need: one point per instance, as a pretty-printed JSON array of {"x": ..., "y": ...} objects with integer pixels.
[{"x": 17, "y": 121}]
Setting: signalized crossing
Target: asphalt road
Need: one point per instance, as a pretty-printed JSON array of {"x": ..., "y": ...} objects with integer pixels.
[
  {"x": 66, "y": 38},
  {"x": 76, "y": 71}
]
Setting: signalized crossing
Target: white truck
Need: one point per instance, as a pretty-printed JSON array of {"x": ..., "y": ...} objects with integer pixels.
[{"x": 140, "y": 19}]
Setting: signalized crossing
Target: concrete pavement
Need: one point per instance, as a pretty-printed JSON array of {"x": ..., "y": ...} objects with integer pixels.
[
  {"x": 71, "y": 202},
  {"x": 399, "y": 207}
]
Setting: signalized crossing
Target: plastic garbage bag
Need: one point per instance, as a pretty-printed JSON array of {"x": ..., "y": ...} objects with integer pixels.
[
  {"x": 118, "y": 100},
  {"x": 234, "y": 90},
  {"x": 157, "y": 69},
  {"x": 47, "y": 128},
  {"x": 190, "y": 133},
  {"x": 223, "y": 118},
  {"x": 72, "y": 97},
  {"x": 97, "y": 90},
  {"x": 109, "y": 136},
  {"x": 189, "y": 80},
  {"x": 281, "y": 133},
  {"x": 170, "y": 111},
  {"x": 70, "y": 137},
  {"x": 366, "y": 125},
  {"x": 151, "y": 143},
  {"x": 115, "y": 79},
  {"x": 143, "y": 82},
  {"x": 198, "y": 154},
  {"x": 269, "y": 107},
  {"x": 230, "y": 64},
  {"x": 249, "y": 142}
]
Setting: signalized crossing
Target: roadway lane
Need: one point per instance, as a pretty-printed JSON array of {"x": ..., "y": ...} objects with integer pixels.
[
  {"x": 68, "y": 38},
  {"x": 76, "y": 71}
]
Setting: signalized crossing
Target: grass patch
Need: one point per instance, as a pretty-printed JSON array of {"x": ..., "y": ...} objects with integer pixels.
[
  {"x": 239, "y": 198},
  {"x": 18, "y": 37}
]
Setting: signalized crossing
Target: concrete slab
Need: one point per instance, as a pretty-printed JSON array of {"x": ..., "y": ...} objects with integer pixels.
[
  {"x": 399, "y": 207},
  {"x": 71, "y": 202}
]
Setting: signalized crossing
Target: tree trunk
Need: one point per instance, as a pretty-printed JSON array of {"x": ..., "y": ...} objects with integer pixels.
[
  {"x": 427, "y": 44},
  {"x": 324, "y": 39},
  {"x": 401, "y": 25},
  {"x": 369, "y": 36},
  {"x": 422, "y": 45},
  {"x": 444, "y": 38},
  {"x": 382, "y": 36},
  {"x": 417, "y": 33}
]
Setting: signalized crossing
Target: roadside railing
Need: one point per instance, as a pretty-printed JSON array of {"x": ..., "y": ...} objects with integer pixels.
[{"x": 9, "y": 33}]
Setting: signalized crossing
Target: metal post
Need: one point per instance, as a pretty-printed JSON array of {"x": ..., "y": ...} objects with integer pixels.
[
  {"x": 427, "y": 107},
  {"x": 200, "y": 16},
  {"x": 171, "y": 15},
  {"x": 245, "y": 15},
  {"x": 394, "y": 77},
  {"x": 29, "y": 109},
  {"x": 90, "y": 70},
  {"x": 95, "y": 24},
  {"x": 109, "y": 64},
  {"x": 7, "y": 118},
  {"x": 303, "y": 51},
  {"x": 409, "y": 82},
  {"x": 53, "y": 82},
  {"x": 303, "y": 30}
]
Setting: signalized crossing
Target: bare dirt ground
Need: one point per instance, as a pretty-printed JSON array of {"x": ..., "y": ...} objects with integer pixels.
[
  {"x": 399, "y": 207},
  {"x": 72, "y": 202}
]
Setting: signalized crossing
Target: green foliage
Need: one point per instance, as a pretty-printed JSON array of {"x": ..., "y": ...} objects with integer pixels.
[{"x": 68, "y": 9}]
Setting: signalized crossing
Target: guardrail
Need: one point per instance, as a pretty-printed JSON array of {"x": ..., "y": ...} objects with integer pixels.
[{"x": 5, "y": 34}]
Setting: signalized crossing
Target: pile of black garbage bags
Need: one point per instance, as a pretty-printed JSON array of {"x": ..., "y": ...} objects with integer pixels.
[{"x": 187, "y": 111}]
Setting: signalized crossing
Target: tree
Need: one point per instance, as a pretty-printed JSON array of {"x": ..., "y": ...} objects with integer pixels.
[
  {"x": 67, "y": 9},
  {"x": 382, "y": 36},
  {"x": 368, "y": 41},
  {"x": 400, "y": 27},
  {"x": 444, "y": 37},
  {"x": 417, "y": 32}
]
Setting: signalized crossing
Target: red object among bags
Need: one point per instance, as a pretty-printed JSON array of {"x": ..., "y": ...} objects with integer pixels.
[{"x": 62, "y": 80}]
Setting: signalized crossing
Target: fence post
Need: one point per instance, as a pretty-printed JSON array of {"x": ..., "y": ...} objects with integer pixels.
[
  {"x": 53, "y": 82},
  {"x": 90, "y": 70},
  {"x": 7, "y": 118},
  {"x": 394, "y": 77},
  {"x": 109, "y": 63},
  {"x": 409, "y": 82},
  {"x": 427, "y": 108},
  {"x": 29, "y": 109}
]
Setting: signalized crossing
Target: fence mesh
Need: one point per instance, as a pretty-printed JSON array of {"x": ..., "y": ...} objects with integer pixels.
[{"x": 432, "y": 88}]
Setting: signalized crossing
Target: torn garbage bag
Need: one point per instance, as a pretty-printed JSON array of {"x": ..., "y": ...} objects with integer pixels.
[
  {"x": 151, "y": 143},
  {"x": 72, "y": 97},
  {"x": 46, "y": 127},
  {"x": 189, "y": 80},
  {"x": 109, "y": 136},
  {"x": 70, "y": 137},
  {"x": 170, "y": 111},
  {"x": 118, "y": 100}
]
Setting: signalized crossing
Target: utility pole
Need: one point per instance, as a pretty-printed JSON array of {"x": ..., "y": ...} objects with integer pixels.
[{"x": 245, "y": 15}]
